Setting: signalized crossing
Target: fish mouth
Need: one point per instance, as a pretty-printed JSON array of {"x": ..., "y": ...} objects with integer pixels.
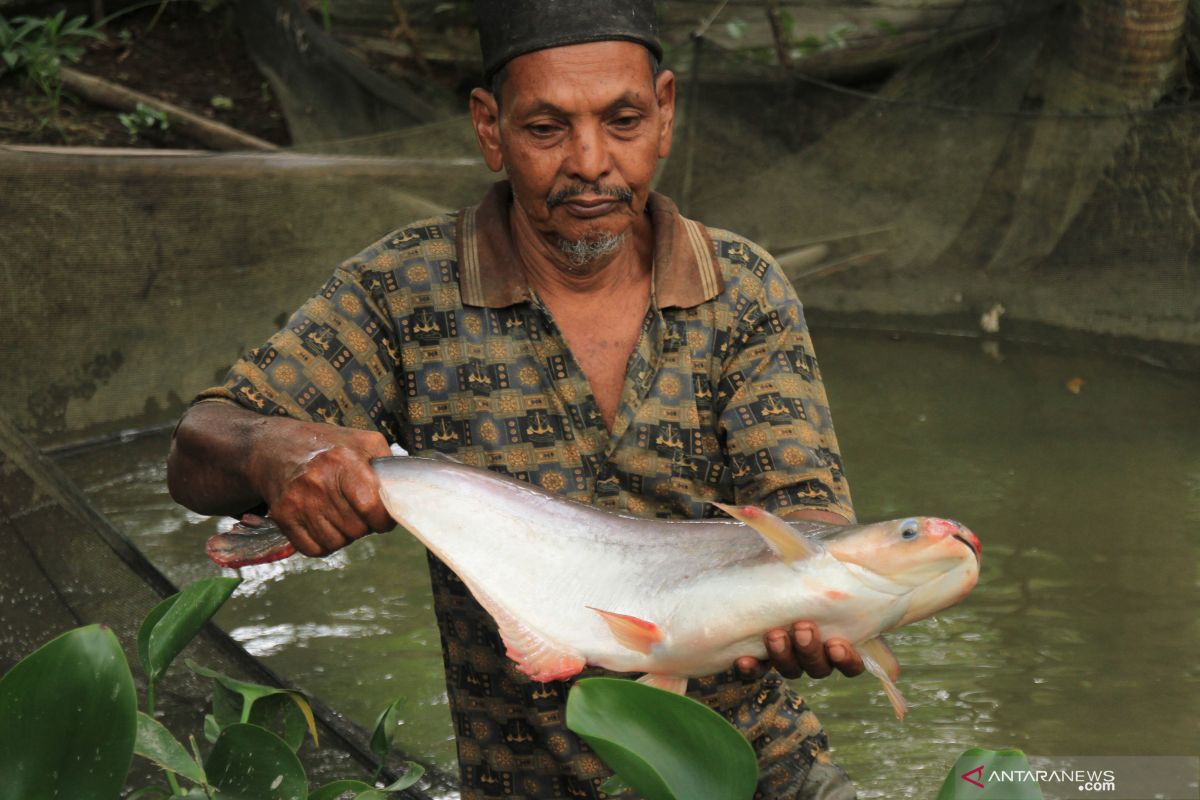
[{"x": 970, "y": 545}]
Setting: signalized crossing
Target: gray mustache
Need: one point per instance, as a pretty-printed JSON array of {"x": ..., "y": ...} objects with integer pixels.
[{"x": 619, "y": 193}]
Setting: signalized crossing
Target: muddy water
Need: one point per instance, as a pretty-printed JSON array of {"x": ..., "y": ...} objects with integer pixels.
[{"x": 1081, "y": 638}]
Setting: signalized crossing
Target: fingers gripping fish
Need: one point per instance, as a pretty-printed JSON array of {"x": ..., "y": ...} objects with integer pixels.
[{"x": 571, "y": 585}]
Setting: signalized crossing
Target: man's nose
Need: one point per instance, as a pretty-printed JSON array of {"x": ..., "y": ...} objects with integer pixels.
[{"x": 589, "y": 159}]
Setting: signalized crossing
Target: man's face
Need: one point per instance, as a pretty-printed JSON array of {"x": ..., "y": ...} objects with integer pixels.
[{"x": 579, "y": 130}]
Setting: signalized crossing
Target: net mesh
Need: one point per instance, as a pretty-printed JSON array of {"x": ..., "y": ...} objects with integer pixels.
[{"x": 1016, "y": 161}]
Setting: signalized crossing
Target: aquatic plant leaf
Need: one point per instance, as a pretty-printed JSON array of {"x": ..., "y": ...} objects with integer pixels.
[
  {"x": 251, "y": 763},
  {"x": 211, "y": 728},
  {"x": 68, "y": 719},
  {"x": 286, "y": 713},
  {"x": 250, "y": 692},
  {"x": 341, "y": 789},
  {"x": 147, "y": 627},
  {"x": 385, "y": 727},
  {"x": 310, "y": 723},
  {"x": 175, "y": 621},
  {"x": 156, "y": 743},
  {"x": 613, "y": 786},
  {"x": 412, "y": 774},
  {"x": 666, "y": 746},
  {"x": 969, "y": 778},
  {"x": 226, "y": 705}
]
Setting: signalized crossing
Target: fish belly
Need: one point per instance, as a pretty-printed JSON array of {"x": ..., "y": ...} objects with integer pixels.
[{"x": 722, "y": 618}]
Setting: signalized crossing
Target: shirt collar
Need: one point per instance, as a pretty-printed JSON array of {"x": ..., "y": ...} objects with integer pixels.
[{"x": 686, "y": 272}]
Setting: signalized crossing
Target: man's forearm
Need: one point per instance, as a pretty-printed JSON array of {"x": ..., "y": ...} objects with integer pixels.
[
  {"x": 316, "y": 478},
  {"x": 209, "y": 466}
]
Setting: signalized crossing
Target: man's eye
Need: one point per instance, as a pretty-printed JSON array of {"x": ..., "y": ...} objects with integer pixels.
[
  {"x": 627, "y": 121},
  {"x": 542, "y": 130}
]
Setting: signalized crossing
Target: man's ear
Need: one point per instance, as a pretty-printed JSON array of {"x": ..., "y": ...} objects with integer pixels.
[
  {"x": 664, "y": 90},
  {"x": 485, "y": 118}
]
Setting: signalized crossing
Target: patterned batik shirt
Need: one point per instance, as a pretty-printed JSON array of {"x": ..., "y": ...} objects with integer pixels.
[{"x": 433, "y": 337}]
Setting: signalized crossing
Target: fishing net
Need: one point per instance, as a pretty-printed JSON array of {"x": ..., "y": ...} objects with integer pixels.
[{"x": 1026, "y": 163}]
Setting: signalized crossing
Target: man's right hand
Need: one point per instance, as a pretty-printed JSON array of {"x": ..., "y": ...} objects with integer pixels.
[
  {"x": 317, "y": 481},
  {"x": 315, "y": 478}
]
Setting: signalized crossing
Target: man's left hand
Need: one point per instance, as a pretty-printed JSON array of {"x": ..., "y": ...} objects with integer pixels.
[{"x": 799, "y": 651}]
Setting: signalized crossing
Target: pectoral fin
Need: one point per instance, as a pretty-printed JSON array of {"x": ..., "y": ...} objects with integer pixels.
[
  {"x": 780, "y": 536},
  {"x": 632, "y": 632},
  {"x": 879, "y": 650},
  {"x": 878, "y": 659},
  {"x": 670, "y": 683}
]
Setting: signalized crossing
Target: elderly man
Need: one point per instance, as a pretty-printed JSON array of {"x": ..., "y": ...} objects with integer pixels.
[{"x": 574, "y": 331}]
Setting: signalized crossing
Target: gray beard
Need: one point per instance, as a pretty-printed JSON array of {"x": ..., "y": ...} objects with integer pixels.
[{"x": 582, "y": 252}]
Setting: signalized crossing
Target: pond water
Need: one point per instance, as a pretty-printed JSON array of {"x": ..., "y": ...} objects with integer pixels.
[{"x": 1079, "y": 473}]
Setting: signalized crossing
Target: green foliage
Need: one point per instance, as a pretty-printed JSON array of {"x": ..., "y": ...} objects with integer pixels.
[
  {"x": 155, "y": 743},
  {"x": 973, "y": 768},
  {"x": 69, "y": 724},
  {"x": 381, "y": 743},
  {"x": 143, "y": 119},
  {"x": 251, "y": 763},
  {"x": 68, "y": 719},
  {"x": 37, "y": 47},
  {"x": 663, "y": 745},
  {"x": 175, "y": 621}
]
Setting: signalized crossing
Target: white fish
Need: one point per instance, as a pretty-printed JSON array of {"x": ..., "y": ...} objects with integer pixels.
[{"x": 571, "y": 585}]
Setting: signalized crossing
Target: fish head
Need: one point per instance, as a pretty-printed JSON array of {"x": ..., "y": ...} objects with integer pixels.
[{"x": 934, "y": 561}]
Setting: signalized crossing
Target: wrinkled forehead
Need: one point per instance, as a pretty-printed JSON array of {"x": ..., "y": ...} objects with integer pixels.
[{"x": 572, "y": 74}]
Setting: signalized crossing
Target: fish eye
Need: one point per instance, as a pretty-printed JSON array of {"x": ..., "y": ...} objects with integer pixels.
[{"x": 908, "y": 534}]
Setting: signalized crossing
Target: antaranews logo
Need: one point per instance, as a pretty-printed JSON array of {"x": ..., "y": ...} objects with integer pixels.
[{"x": 981, "y": 774}]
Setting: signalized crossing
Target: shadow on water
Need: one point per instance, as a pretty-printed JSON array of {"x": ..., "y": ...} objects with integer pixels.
[{"x": 1081, "y": 638}]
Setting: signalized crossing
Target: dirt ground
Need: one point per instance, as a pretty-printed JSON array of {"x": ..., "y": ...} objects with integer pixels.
[{"x": 190, "y": 57}]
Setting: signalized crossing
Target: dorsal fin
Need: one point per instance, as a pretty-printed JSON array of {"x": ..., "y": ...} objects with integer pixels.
[{"x": 783, "y": 540}]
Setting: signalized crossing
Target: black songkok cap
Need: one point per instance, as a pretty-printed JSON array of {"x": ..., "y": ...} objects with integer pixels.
[{"x": 511, "y": 28}]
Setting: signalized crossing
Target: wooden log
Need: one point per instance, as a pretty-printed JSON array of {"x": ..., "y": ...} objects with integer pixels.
[{"x": 206, "y": 131}]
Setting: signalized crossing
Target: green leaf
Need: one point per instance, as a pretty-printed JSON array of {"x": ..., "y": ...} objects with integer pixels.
[
  {"x": 68, "y": 719},
  {"x": 175, "y": 621},
  {"x": 412, "y": 773},
  {"x": 666, "y": 746},
  {"x": 340, "y": 789},
  {"x": 211, "y": 729},
  {"x": 251, "y": 763},
  {"x": 288, "y": 714},
  {"x": 385, "y": 727},
  {"x": 156, "y": 743},
  {"x": 613, "y": 785},
  {"x": 977, "y": 765},
  {"x": 226, "y": 707}
]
